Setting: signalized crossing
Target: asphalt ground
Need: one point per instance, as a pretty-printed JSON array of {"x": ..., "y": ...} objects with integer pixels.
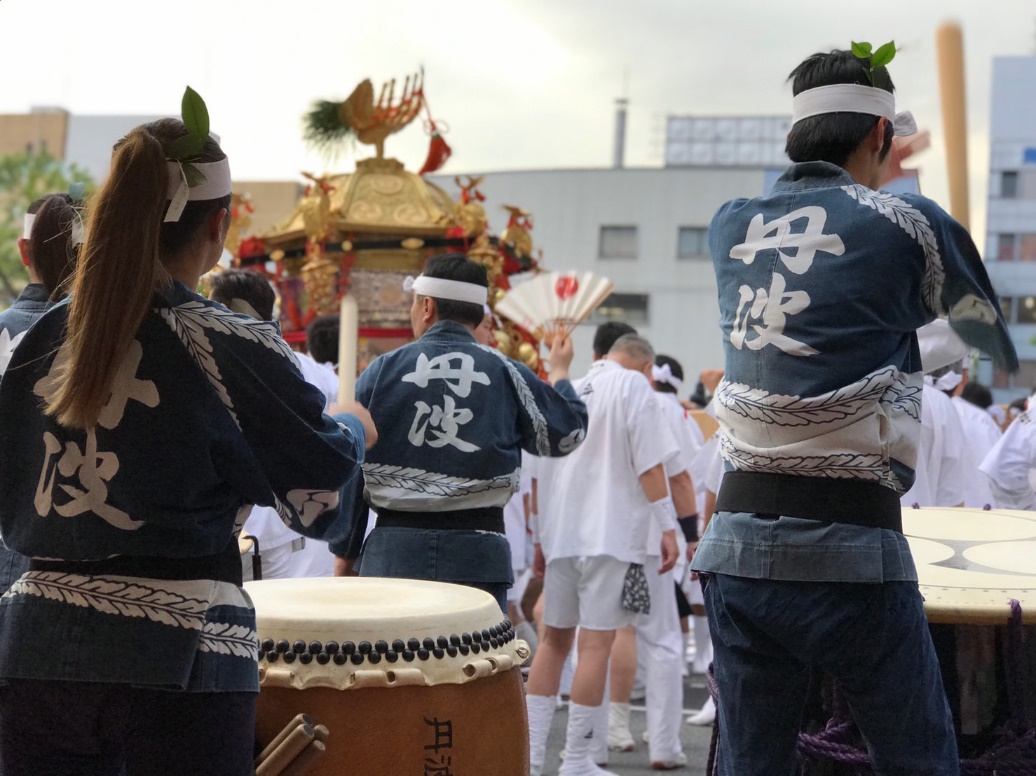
[{"x": 695, "y": 739}]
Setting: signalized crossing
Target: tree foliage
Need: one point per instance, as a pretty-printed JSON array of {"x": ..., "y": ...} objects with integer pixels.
[{"x": 24, "y": 178}]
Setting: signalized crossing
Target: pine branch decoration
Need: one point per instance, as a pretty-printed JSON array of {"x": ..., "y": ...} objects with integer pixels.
[{"x": 323, "y": 127}]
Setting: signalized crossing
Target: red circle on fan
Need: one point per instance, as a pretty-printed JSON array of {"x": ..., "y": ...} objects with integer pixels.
[{"x": 566, "y": 287}]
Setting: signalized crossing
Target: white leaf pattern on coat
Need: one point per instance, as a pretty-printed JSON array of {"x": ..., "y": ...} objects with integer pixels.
[
  {"x": 190, "y": 331},
  {"x": 914, "y": 223},
  {"x": 539, "y": 423},
  {"x": 781, "y": 410},
  {"x": 112, "y": 596},
  {"x": 228, "y": 639},
  {"x": 437, "y": 484},
  {"x": 835, "y": 466}
]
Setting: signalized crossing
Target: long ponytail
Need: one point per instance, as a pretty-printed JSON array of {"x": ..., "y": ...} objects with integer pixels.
[{"x": 119, "y": 269}]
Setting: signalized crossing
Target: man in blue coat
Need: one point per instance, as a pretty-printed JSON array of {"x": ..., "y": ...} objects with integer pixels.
[
  {"x": 456, "y": 417},
  {"x": 822, "y": 286}
]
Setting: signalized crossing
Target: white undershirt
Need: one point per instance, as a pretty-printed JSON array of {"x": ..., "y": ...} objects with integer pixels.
[
  {"x": 597, "y": 506},
  {"x": 940, "y": 471},
  {"x": 981, "y": 433}
]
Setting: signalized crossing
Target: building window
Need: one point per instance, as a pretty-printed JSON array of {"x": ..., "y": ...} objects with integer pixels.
[
  {"x": 618, "y": 242},
  {"x": 1025, "y": 377},
  {"x": 692, "y": 242},
  {"x": 1027, "y": 247},
  {"x": 1009, "y": 184},
  {"x": 1005, "y": 247},
  {"x": 627, "y": 308},
  {"x": 1006, "y": 307},
  {"x": 1027, "y": 309}
]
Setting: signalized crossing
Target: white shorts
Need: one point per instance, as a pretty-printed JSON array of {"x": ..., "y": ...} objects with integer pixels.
[
  {"x": 586, "y": 592},
  {"x": 517, "y": 590}
]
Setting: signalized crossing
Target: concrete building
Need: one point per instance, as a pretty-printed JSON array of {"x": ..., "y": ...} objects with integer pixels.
[
  {"x": 645, "y": 229},
  {"x": 1010, "y": 245}
]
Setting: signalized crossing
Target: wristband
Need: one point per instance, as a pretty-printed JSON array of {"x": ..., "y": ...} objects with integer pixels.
[
  {"x": 689, "y": 526},
  {"x": 664, "y": 514}
]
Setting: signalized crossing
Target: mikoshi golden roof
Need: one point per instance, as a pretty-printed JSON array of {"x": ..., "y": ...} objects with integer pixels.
[{"x": 379, "y": 198}]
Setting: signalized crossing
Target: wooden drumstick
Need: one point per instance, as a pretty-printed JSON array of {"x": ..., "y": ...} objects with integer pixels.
[
  {"x": 300, "y": 719},
  {"x": 292, "y": 746},
  {"x": 306, "y": 761},
  {"x": 321, "y": 732}
]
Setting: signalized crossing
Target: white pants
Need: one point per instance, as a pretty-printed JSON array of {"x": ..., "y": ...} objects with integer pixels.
[{"x": 660, "y": 642}]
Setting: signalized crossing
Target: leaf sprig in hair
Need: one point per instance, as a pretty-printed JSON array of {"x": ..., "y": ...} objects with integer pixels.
[
  {"x": 874, "y": 59},
  {"x": 188, "y": 148}
]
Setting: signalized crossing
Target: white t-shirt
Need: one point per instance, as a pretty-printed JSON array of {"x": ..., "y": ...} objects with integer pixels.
[
  {"x": 1009, "y": 463},
  {"x": 514, "y": 519},
  {"x": 981, "y": 433},
  {"x": 597, "y": 506},
  {"x": 679, "y": 426},
  {"x": 315, "y": 559},
  {"x": 940, "y": 471},
  {"x": 709, "y": 462},
  {"x": 323, "y": 376},
  {"x": 543, "y": 471}
]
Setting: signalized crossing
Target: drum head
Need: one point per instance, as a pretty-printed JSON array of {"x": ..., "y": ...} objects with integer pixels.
[
  {"x": 346, "y": 632},
  {"x": 971, "y": 562}
]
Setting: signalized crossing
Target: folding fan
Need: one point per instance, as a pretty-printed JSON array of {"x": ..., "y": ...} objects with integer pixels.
[{"x": 554, "y": 302}]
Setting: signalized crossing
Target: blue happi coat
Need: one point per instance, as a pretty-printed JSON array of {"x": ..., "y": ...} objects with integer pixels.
[
  {"x": 29, "y": 307},
  {"x": 822, "y": 286},
  {"x": 208, "y": 415},
  {"x": 453, "y": 417}
]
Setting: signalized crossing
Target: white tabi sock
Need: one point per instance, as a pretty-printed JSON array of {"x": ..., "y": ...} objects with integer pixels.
[
  {"x": 578, "y": 742},
  {"x": 702, "y": 644},
  {"x": 619, "y": 736},
  {"x": 706, "y": 715},
  {"x": 541, "y": 714}
]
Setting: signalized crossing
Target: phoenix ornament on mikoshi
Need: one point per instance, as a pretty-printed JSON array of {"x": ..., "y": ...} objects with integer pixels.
[{"x": 371, "y": 121}]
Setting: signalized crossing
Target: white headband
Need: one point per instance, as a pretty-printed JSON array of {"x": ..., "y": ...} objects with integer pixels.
[
  {"x": 852, "y": 98},
  {"x": 940, "y": 346},
  {"x": 30, "y": 218},
  {"x": 453, "y": 290},
  {"x": 664, "y": 374},
  {"x": 949, "y": 381},
  {"x": 216, "y": 185}
]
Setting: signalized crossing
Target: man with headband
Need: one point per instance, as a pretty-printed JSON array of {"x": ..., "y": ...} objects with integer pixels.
[
  {"x": 822, "y": 287},
  {"x": 456, "y": 415}
]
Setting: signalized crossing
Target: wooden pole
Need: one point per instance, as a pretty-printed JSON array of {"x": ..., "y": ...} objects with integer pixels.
[
  {"x": 348, "y": 343},
  {"x": 949, "y": 44}
]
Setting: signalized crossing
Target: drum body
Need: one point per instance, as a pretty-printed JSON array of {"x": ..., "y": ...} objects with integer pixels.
[{"x": 409, "y": 677}]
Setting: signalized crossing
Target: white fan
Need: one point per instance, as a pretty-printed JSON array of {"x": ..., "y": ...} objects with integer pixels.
[{"x": 554, "y": 302}]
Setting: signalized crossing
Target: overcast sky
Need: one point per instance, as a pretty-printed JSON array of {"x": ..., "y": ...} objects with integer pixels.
[{"x": 521, "y": 84}]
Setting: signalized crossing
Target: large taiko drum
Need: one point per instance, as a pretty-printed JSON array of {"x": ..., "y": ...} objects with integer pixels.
[
  {"x": 972, "y": 562},
  {"x": 410, "y": 677}
]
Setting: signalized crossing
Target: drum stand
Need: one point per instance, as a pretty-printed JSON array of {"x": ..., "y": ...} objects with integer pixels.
[{"x": 1013, "y": 754}]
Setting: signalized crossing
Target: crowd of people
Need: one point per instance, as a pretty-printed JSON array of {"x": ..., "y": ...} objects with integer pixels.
[{"x": 145, "y": 425}]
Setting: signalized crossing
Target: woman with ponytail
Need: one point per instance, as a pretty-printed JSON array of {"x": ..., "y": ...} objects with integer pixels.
[
  {"x": 141, "y": 422},
  {"x": 49, "y": 245}
]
